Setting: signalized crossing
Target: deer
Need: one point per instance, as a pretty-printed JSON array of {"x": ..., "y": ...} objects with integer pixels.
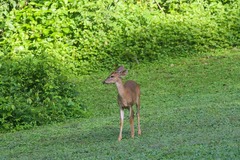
[{"x": 128, "y": 95}]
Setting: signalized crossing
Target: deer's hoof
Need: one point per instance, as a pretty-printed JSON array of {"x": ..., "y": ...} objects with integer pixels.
[
  {"x": 119, "y": 138},
  {"x": 139, "y": 132},
  {"x": 132, "y": 135}
]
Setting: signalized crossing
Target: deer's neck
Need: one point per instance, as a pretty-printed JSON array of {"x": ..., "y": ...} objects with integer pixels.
[{"x": 120, "y": 88}]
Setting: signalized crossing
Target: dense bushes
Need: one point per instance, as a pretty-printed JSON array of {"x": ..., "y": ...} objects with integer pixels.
[
  {"x": 88, "y": 35},
  {"x": 44, "y": 45},
  {"x": 34, "y": 91}
]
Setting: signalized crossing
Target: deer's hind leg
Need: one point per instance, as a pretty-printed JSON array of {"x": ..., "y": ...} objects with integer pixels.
[
  {"x": 131, "y": 119},
  {"x": 138, "y": 116}
]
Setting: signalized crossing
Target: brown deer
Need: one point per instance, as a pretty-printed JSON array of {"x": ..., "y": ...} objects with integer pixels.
[{"x": 128, "y": 95}]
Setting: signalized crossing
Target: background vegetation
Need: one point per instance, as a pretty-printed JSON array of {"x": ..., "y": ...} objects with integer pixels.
[
  {"x": 190, "y": 109},
  {"x": 47, "y": 46}
]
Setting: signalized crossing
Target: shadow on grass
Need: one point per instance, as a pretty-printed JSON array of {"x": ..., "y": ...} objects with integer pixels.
[
  {"x": 100, "y": 134},
  {"x": 80, "y": 136}
]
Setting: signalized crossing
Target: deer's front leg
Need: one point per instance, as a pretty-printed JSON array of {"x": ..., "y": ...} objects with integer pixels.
[{"x": 121, "y": 123}]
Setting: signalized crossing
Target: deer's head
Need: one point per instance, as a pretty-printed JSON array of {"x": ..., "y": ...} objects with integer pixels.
[{"x": 116, "y": 75}]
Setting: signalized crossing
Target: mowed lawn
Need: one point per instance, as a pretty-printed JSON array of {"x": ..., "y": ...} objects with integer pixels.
[{"x": 190, "y": 109}]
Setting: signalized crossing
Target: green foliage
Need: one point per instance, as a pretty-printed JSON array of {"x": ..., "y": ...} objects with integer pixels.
[
  {"x": 176, "y": 5},
  {"x": 91, "y": 35},
  {"x": 36, "y": 91},
  {"x": 46, "y": 44}
]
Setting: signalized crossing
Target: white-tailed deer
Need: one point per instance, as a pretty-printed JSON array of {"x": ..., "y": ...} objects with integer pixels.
[{"x": 128, "y": 95}]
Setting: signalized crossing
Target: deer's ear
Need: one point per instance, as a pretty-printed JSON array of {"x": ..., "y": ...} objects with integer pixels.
[
  {"x": 124, "y": 73},
  {"x": 120, "y": 69}
]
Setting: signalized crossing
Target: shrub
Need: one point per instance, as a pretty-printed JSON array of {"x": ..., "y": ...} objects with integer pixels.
[
  {"x": 34, "y": 91},
  {"x": 91, "y": 35}
]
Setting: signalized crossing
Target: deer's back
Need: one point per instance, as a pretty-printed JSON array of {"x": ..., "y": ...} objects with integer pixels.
[{"x": 131, "y": 87}]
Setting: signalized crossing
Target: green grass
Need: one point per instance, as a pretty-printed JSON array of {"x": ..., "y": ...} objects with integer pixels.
[{"x": 190, "y": 109}]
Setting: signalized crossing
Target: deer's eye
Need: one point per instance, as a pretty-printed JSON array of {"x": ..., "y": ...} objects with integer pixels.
[{"x": 111, "y": 76}]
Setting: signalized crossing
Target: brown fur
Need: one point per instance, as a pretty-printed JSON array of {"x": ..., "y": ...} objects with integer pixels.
[{"x": 128, "y": 95}]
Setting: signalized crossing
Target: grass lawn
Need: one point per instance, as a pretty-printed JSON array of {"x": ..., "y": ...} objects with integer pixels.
[{"x": 190, "y": 109}]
